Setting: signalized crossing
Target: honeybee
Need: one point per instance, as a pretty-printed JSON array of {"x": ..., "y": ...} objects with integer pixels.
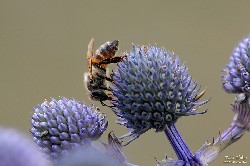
[{"x": 95, "y": 79}]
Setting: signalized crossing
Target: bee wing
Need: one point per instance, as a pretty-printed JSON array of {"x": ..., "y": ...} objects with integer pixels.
[
  {"x": 90, "y": 48},
  {"x": 90, "y": 54}
]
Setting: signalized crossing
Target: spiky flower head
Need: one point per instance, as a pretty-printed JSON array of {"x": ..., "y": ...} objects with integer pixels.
[
  {"x": 17, "y": 150},
  {"x": 236, "y": 78},
  {"x": 63, "y": 125},
  {"x": 151, "y": 89}
]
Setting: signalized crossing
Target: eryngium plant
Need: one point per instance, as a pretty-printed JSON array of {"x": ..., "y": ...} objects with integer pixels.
[
  {"x": 237, "y": 78},
  {"x": 63, "y": 125},
  {"x": 17, "y": 150},
  {"x": 240, "y": 124},
  {"x": 152, "y": 89}
]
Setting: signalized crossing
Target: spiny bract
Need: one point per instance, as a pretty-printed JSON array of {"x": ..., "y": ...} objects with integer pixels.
[
  {"x": 152, "y": 90},
  {"x": 63, "y": 125},
  {"x": 237, "y": 78}
]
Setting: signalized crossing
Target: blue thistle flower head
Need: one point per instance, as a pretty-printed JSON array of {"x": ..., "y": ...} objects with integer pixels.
[
  {"x": 152, "y": 89},
  {"x": 236, "y": 78},
  {"x": 59, "y": 126},
  {"x": 17, "y": 150}
]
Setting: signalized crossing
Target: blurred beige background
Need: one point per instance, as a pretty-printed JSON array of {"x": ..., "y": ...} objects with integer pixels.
[{"x": 43, "y": 48}]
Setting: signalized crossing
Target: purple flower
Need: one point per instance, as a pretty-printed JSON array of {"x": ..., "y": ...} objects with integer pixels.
[
  {"x": 237, "y": 78},
  {"x": 63, "y": 125},
  {"x": 152, "y": 89},
  {"x": 17, "y": 150}
]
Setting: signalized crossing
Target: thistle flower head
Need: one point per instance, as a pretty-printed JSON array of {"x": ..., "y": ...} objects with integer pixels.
[
  {"x": 151, "y": 89},
  {"x": 17, "y": 150},
  {"x": 62, "y": 125},
  {"x": 236, "y": 78}
]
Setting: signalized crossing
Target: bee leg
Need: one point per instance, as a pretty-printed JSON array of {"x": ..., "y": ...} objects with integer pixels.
[
  {"x": 109, "y": 97},
  {"x": 109, "y": 79},
  {"x": 108, "y": 89},
  {"x": 105, "y": 77},
  {"x": 105, "y": 88},
  {"x": 95, "y": 60},
  {"x": 103, "y": 104},
  {"x": 112, "y": 60}
]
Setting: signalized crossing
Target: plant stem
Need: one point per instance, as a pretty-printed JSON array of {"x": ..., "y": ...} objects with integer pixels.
[{"x": 179, "y": 146}]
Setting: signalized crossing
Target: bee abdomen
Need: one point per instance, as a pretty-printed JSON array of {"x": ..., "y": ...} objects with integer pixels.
[{"x": 107, "y": 50}]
